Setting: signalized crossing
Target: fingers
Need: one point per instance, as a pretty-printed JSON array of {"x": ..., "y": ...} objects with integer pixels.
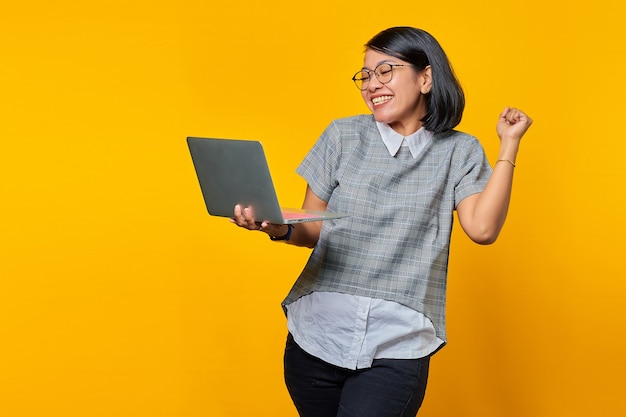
[
  {"x": 244, "y": 217},
  {"x": 512, "y": 116}
]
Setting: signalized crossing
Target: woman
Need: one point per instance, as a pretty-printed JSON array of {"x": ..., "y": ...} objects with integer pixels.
[{"x": 368, "y": 310}]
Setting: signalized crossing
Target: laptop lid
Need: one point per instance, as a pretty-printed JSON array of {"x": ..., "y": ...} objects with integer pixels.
[{"x": 234, "y": 172}]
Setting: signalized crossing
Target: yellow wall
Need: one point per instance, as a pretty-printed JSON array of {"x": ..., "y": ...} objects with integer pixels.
[{"x": 120, "y": 296}]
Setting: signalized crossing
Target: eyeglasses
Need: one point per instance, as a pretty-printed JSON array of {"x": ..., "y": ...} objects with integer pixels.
[{"x": 383, "y": 73}]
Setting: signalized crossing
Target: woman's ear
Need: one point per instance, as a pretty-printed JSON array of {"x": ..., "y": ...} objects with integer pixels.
[{"x": 427, "y": 80}]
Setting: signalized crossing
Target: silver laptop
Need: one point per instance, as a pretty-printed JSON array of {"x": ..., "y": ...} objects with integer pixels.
[{"x": 234, "y": 172}]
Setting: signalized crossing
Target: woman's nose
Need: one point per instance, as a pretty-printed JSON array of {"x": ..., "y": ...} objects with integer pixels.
[{"x": 374, "y": 83}]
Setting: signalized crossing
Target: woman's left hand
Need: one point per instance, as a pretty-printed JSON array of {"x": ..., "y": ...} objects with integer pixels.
[{"x": 513, "y": 123}]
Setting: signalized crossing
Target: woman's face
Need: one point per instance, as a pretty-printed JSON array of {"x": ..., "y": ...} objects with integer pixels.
[{"x": 400, "y": 102}]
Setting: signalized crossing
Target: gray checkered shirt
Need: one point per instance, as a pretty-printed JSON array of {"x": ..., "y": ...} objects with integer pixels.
[{"x": 395, "y": 244}]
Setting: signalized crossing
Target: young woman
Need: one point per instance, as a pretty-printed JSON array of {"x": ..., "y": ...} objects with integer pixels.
[{"x": 368, "y": 310}]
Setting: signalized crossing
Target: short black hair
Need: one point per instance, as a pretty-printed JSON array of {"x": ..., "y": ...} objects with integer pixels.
[{"x": 445, "y": 102}]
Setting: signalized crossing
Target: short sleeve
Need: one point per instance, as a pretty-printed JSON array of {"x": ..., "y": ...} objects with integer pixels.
[
  {"x": 472, "y": 172},
  {"x": 320, "y": 167}
]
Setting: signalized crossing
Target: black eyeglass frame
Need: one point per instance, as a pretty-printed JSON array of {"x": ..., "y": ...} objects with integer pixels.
[{"x": 376, "y": 73}]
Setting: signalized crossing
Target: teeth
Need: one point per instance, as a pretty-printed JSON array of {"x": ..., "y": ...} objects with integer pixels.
[{"x": 378, "y": 100}]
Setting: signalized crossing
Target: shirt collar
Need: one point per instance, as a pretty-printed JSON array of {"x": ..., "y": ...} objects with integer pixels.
[{"x": 393, "y": 140}]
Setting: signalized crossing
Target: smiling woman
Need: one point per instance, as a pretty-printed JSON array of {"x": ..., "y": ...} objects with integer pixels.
[{"x": 368, "y": 311}]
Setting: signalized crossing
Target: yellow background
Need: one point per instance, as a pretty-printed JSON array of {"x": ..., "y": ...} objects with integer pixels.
[{"x": 120, "y": 296}]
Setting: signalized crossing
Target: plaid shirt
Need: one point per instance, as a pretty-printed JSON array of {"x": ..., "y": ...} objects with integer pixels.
[{"x": 395, "y": 244}]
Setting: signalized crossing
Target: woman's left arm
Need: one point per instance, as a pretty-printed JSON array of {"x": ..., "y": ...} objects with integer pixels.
[{"x": 482, "y": 215}]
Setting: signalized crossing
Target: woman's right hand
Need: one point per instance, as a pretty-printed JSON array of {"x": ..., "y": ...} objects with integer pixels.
[
  {"x": 244, "y": 217},
  {"x": 304, "y": 234}
]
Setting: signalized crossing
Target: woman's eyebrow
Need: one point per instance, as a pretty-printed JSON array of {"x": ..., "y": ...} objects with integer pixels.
[{"x": 385, "y": 61}]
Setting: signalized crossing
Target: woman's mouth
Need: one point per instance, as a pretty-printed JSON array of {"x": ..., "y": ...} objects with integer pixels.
[{"x": 381, "y": 100}]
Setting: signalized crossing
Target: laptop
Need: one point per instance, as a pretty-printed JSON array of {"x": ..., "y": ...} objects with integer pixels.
[{"x": 234, "y": 172}]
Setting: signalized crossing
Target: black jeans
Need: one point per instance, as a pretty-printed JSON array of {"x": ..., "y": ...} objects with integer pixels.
[{"x": 390, "y": 388}]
